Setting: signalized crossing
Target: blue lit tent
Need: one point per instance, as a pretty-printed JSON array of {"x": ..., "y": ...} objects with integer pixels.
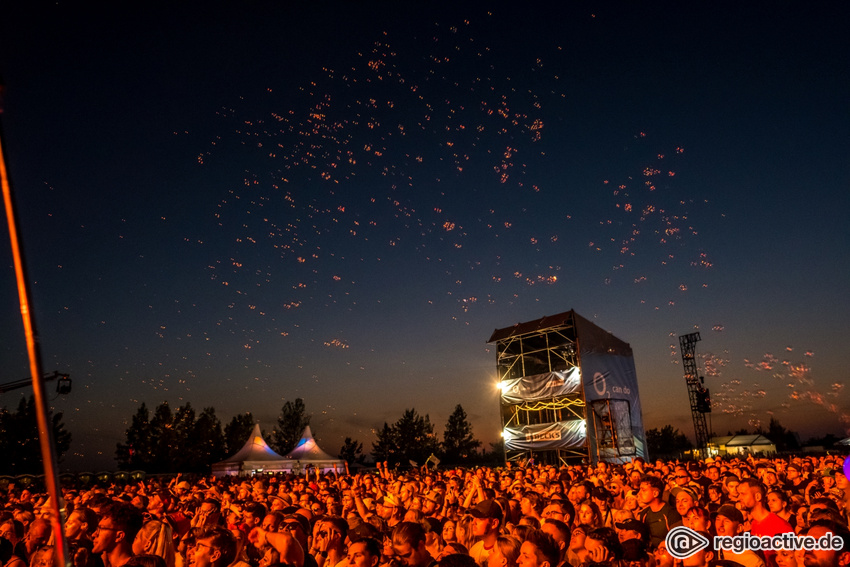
[
  {"x": 308, "y": 452},
  {"x": 256, "y": 457}
]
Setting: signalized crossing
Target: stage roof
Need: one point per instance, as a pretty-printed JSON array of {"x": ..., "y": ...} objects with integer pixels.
[
  {"x": 548, "y": 322},
  {"x": 591, "y": 337},
  {"x": 254, "y": 449}
]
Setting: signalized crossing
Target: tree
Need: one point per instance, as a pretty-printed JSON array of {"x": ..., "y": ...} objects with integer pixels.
[
  {"x": 136, "y": 453},
  {"x": 458, "y": 442},
  {"x": 411, "y": 438},
  {"x": 385, "y": 446},
  {"x": 827, "y": 441},
  {"x": 415, "y": 437},
  {"x": 163, "y": 439},
  {"x": 785, "y": 440},
  {"x": 290, "y": 425},
  {"x": 206, "y": 442},
  {"x": 667, "y": 441},
  {"x": 172, "y": 442},
  {"x": 180, "y": 452},
  {"x": 497, "y": 452},
  {"x": 19, "y": 439},
  {"x": 351, "y": 451},
  {"x": 237, "y": 431}
]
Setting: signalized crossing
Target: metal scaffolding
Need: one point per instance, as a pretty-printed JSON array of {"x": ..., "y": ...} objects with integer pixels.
[
  {"x": 697, "y": 394},
  {"x": 539, "y": 351}
]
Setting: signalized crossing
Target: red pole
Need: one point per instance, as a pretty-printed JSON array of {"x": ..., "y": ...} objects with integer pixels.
[{"x": 45, "y": 431}]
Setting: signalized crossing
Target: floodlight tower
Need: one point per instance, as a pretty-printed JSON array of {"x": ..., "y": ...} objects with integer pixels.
[{"x": 697, "y": 393}]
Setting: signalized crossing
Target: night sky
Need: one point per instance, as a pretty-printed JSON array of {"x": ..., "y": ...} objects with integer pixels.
[{"x": 240, "y": 203}]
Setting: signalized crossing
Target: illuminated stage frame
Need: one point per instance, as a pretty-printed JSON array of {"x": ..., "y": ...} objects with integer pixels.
[{"x": 568, "y": 392}]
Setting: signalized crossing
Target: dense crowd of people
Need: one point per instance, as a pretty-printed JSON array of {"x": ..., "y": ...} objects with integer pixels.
[{"x": 533, "y": 516}]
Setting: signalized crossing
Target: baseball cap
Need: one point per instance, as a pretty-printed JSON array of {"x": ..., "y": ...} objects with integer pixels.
[
  {"x": 675, "y": 491},
  {"x": 633, "y": 525},
  {"x": 487, "y": 509},
  {"x": 389, "y": 500},
  {"x": 729, "y": 511}
]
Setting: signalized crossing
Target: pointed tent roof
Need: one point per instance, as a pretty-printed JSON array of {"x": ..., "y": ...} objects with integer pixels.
[
  {"x": 254, "y": 449},
  {"x": 257, "y": 456},
  {"x": 307, "y": 450}
]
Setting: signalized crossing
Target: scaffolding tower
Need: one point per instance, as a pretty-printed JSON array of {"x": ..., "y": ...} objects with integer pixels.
[
  {"x": 697, "y": 393},
  {"x": 555, "y": 410},
  {"x": 541, "y": 351}
]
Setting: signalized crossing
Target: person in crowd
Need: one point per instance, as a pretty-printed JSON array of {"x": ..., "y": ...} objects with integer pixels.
[
  {"x": 390, "y": 510},
  {"x": 661, "y": 556},
  {"x": 155, "y": 538},
  {"x": 579, "y": 492},
  {"x": 208, "y": 514},
  {"x": 448, "y": 532},
  {"x": 632, "y": 529},
  {"x": 485, "y": 527},
  {"x": 601, "y": 498},
  {"x": 80, "y": 525},
  {"x": 531, "y": 505},
  {"x": 603, "y": 546},
  {"x": 185, "y": 545},
  {"x": 538, "y": 550},
  {"x": 752, "y": 498},
  {"x": 576, "y": 551},
  {"x": 685, "y": 499},
  {"x": 365, "y": 552},
  {"x": 702, "y": 557},
  {"x": 589, "y": 515},
  {"x": 657, "y": 514},
  {"x": 777, "y": 502},
  {"x": 698, "y": 519},
  {"x": 786, "y": 558},
  {"x": 38, "y": 534},
  {"x": 7, "y": 556},
  {"x": 446, "y": 500},
  {"x": 329, "y": 543},
  {"x": 730, "y": 488},
  {"x": 560, "y": 532},
  {"x": 116, "y": 530},
  {"x": 433, "y": 536},
  {"x": 505, "y": 552},
  {"x": 730, "y": 522},
  {"x": 463, "y": 531},
  {"x": 559, "y": 510},
  {"x": 43, "y": 556},
  {"x": 13, "y": 531},
  {"x": 215, "y": 547},
  {"x": 408, "y": 545},
  {"x": 826, "y": 557},
  {"x": 453, "y": 549}
]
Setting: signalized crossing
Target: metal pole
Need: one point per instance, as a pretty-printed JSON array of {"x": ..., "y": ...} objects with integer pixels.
[{"x": 45, "y": 431}]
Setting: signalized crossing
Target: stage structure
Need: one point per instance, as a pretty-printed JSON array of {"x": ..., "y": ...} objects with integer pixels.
[
  {"x": 568, "y": 392},
  {"x": 698, "y": 395}
]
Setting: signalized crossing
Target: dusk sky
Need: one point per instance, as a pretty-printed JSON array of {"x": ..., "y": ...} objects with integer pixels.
[{"x": 236, "y": 204}]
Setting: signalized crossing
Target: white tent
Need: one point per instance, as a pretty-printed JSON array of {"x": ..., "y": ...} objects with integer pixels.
[
  {"x": 308, "y": 452},
  {"x": 741, "y": 445},
  {"x": 257, "y": 457}
]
